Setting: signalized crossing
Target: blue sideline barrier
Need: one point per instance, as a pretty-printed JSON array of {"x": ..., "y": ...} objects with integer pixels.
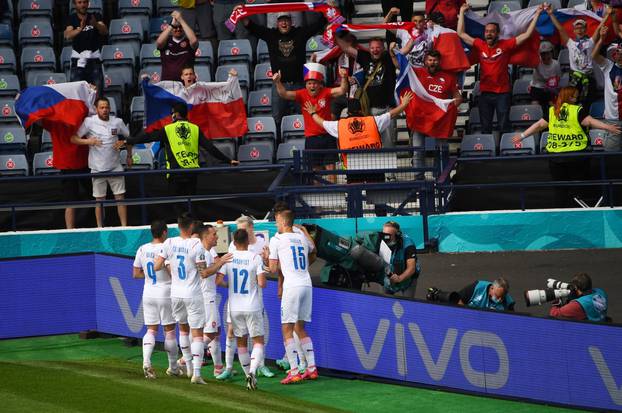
[{"x": 508, "y": 355}]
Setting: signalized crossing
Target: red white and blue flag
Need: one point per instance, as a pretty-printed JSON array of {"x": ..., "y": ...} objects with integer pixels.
[
  {"x": 425, "y": 113},
  {"x": 567, "y": 17},
  {"x": 217, "y": 108}
]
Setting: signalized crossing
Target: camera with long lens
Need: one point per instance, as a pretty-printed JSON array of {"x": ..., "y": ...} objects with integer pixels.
[
  {"x": 555, "y": 290},
  {"x": 439, "y": 296},
  {"x": 350, "y": 261}
]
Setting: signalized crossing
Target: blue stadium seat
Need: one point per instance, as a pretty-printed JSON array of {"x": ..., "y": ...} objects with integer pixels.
[
  {"x": 118, "y": 55},
  {"x": 314, "y": 44},
  {"x": 526, "y": 147},
  {"x": 137, "y": 109},
  {"x": 135, "y": 8},
  {"x": 204, "y": 54},
  {"x": 95, "y": 6},
  {"x": 165, "y": 7},
  {"x": 524, "y": 115},
  {"x": 46, "y": 141},
  {"x": 9, "y": 85},
  {"x": 222, "y": 74},
  {"x": 35, "y": 32},
  {"x": 597, "y": 109},
  {"x": 520, "y": 92},
  {"x": 260, "y": 103},
  {"x": 49, "y": 79},
  {"x": 149, "y": 54},
  {"x": 7, "y": 111},
  {"x": 478, "y": 145},
  {"x": 285, "y": 151},
  {"x": 8, "y": 61},
  {"x": 474, "y": 124},
  {"x": 65, "y": 60},
  {"x": 564, "y": 60},
  {"x": 6, "y": 15},
  {"x": 128, "y": 30},
  {"x": 6, "y": 35},
  {"x": 263, "y": 76},
  {"x": 42, "y": 164},
  {"x": 35, "y": 8},
  {"x": 261, "y": 128},
  {"x": 236, "y": 51},
  {"x": 157, "y": 26},
  {"x": 114, "y": 86},
  {"x": 153, "y": 71},
  {"x": 263, "y": 55},
  {"x": 13, "y": 165},
  {"x": 13, "y": 140},
  {"x": 35, "y": 60},
  {"x": 256, "y": 153},
  {"x": 597, "y": 139},
  {"x": 142, "y": 159},
  {"x": 504, "y": 6},
  {"x": 292, "y": 127},
  {"x": 203, "y": 73}
]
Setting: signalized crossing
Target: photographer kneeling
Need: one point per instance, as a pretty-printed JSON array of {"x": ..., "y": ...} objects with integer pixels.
[
  {"x": 480, "y": 294},
  {"x": 587, "y": 303},
  {"x": 404, "y": 270}
]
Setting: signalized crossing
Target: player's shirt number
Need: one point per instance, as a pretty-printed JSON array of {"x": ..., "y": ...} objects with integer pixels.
[
  {"x": 300, "y": 261},
  {"x": 151, "y": 272},
  {"x": 181, "y": 268},
  {"x": 242, "y": 276}
]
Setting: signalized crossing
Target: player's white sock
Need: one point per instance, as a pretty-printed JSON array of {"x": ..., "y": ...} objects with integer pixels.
[
  {"x": 256, "y": 357},
  {"x": 307, "y": 348},
  {"x": 230, "y": 352},
  {"x": 216, "y": 352},
  {"x": 170, "y": 345},
  {"x": 148, "y": 345},
  {"x": 198, "y": 348},
  {"x": 245, "y": 359},
  {"x": 301, "y": 354},
  {"x": 184, "y": 343},
  {"x": 292, "y": 355}
]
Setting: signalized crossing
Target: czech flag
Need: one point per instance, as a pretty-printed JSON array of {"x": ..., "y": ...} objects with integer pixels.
[
  {"x": 425, "y": 113},
  {"x": 447, "y": 42},
  {"x": 511, "y": 24},
  {"x": 567, "y": 17},
  {"x": 61, "y": 109},
  {"x": 217, "y": 108}
]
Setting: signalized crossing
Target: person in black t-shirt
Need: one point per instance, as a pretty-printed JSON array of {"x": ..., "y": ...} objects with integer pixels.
[
  {"x": 379, "y": 67},
  {"x": 287, "y": 49},
  {"x": 177, "y": 45},
  {"x": 85, "y": 29}
]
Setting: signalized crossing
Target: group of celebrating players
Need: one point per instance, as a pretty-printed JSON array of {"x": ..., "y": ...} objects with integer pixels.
[{"x": 181, "y": 275}]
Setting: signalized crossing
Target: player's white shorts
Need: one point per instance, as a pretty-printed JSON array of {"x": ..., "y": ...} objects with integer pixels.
[
  {"x": 189, "y": 311},
  {"x": 100, "y": 186},
  {"x": 247, "y": 322},
  {"x": 227, "y": 313},
  {"x": 157, "y": 311},
  {"x": 296, "y": 304},
  {"x": 212, "y": 317}
]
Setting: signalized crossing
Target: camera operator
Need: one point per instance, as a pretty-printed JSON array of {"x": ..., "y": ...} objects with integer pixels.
[
  {"x": 586, "y": 303},
  {"x": 402, "y": 279},
  {"x": 488, "y": 295}
]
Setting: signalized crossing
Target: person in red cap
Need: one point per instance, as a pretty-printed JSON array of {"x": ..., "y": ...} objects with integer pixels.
[{"x": 319, "y": 96}]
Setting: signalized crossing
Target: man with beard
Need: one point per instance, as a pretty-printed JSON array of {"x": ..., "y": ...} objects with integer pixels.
[
  {"x": 494, "y": 56},
  {"x": 287, "y": 49},
  {"x": 177, "y": 44}
]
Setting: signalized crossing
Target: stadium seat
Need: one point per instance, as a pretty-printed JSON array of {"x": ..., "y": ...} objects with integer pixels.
[
  {"x": 222, "y": 74},
  {"x": 314, "y": 44},
  {"x": 227, "y": 147},
  {"x": 292, "y": 127},
  {"x": 42, "y": 164},
  {"x": 37, "y": 32},
  {"x": 65, "y": 60},
  {"x": 166, "y": 7},
  {"x": 113, "y": 108},
  {"x": 13, "y": 165},
  {"x": 153, "y": 71},
  {"x": 39, "y": 58},
  {"x": 157, "y": 26},
  {"x": 8, "y": 62},
  {"x": 262, "y": 76},
  {"x": 285, "y": 151},
  {"x": 135, "y": 8},
  {"x": 256, "y": 153},
  {"x": 128, "y": 30},
  {"x": 6, "y": 14},
  {"x": 235, "y": 52},
  {"x": 524, "y": 115},
  {"x": 7, "y": 111},
  {"x": 564, "y": 80},
  {"x": 555, "y": 4},
  {"x": 597, "y": 139},
  {"x": 543, "y": 139},
  {"x": 520, "y": 92},
  {"x": 474, "y": 124},
  {"x": 9, "y": 85},
  {"x": 149, "y": 55},
  {"x": 34, "y": 8},
  {"x": 46, "y": 141},
  {"x": 203, "y": 73},
  {"x": 260, "y": 103},
  {"x": 564, "y": 60},
  {"x": 6, "y": 35},
  {"x": 13, "y": 140},
  {"x": 114, "y": 86},
  {"x": 477, "y": 145},
  {"x": 574, "y": 3},
  {"x": 262, "y": 52},
  {"x": 204, "y": 55},
  {"x": 597, "y": 109},
  {"x": 137, "y": 108},
  {"x": 118, "y": 55},
  {"x": 95, "y": 6},
  {"x": 504, "y": 6},
  {"x": 49, "y": 79},
  {"x": 141, "y": 159},
  {"x": 526, "y": 147},
  {"x": 475, "y": 94},
  {"x": 261, "y": 128}
]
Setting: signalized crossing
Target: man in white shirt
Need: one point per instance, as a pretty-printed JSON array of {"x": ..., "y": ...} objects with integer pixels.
[
  {"x": 103, "y": 133},
  {"x": 290, "y": 251},
  {"x": 544, "y": 85},
  {"x": 245, "y": 276},
  {"x": 156, "y": 301},
  {"x": 187, "y": 264}
]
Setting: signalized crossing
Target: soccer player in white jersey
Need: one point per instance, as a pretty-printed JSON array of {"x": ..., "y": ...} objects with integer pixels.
[
  {"x": 245, "y": 276},
  {"x": 259, "y": 247},
  {"x": 211, "y": 331},
  {"x": 187, "y": 263},
  {"x": 291, "y": 251},
  {"x": 156, "y": 301}
]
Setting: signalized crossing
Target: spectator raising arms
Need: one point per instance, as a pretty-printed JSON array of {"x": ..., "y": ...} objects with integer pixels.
[
  {"x": 177, "y": 44},
  {"x": 545, "y": 82}
]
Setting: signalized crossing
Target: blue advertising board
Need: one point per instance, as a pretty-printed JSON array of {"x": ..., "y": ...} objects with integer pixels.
[{"x": 502, "y": 354}]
